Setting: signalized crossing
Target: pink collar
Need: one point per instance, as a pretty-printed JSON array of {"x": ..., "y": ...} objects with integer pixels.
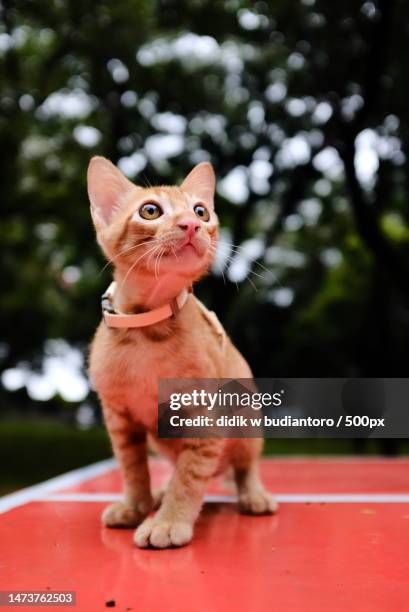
[{"x": 113, "y": 318}]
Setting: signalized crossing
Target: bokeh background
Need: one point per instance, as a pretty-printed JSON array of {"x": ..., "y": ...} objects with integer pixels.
[{"x": 302, "y": 107}]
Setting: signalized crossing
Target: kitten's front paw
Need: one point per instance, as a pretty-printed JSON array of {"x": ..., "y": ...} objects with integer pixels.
[
  {"x": 159, "y": 533},
  {"x": 122, "y": 515},
  {"x": 257, "y": 502}
]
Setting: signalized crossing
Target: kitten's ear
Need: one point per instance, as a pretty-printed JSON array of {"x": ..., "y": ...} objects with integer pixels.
[
  {"x": 201, "y": 183},
  {"x": 107, "y": 187}
]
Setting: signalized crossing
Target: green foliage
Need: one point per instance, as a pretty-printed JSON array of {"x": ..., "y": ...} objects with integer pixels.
[{"x": 45, "y": 449}]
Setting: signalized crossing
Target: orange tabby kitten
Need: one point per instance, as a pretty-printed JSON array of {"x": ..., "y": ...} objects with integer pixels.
[{"x": 161, "y": 240}]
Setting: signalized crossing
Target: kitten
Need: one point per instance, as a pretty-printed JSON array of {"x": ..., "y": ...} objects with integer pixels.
[{"x": 161, "y": 240}]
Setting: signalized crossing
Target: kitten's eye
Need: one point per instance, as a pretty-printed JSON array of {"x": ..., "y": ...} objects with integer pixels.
[
  {"x": 150, "y": 211},
  {"x": 202, "y": 212}
]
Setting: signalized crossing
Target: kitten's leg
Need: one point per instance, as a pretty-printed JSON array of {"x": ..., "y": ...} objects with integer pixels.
[
  {"x": 129, "y": 446},
  {"x": 173, "y": 523},
  {"x": 157, "y": 496},
  {"x": 253, "y": 497}
]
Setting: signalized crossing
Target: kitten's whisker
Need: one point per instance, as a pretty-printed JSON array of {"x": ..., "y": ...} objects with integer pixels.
[
  {"x": 127, "y": 250},
  {"x": 257, "y": 274},
  {"x": 229, "y": 259},
  {"x": 249, "y": 271},
  {"x": 133, "y": 266},
  {"x": 111, "y": 261},
  {"x": 151, "y": 256},
  {"x": 160, "y": 259},
  {"x": 213, "y": 249},
  {"x": 235, "y": 248},
  {"x": 157, "y": 260},
  {"x": 154, "y": 263},
  {"x": 251, "y": 283}
]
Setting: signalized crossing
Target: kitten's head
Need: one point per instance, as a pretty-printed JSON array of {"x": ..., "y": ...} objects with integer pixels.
[{"x": 154, "y": 230}]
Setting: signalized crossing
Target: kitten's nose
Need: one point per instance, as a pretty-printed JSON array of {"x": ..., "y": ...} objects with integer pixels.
[{"x": 188, "y": 225}]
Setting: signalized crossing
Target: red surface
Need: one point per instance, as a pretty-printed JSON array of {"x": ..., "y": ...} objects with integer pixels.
[
  {"x": 294, "y": 476},
  {"x": 310, "y": 557}
]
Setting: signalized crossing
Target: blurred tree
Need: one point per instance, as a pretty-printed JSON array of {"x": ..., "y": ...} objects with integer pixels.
[{"x": 303, "y": 109}]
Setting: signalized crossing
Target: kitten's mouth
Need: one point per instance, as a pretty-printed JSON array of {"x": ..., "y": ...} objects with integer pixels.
[
  {"x": 188, "y": 247},
  {"x": 187, "y": 252}
]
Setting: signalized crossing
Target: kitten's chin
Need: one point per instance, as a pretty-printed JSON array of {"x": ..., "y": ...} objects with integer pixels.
[{"x": 187, "y": 261}]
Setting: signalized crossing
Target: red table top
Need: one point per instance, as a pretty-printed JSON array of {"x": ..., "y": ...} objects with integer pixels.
[{"x": 339, "y": 542}]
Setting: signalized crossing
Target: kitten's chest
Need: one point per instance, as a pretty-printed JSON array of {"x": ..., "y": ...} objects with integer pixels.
[
  {"x": 132, "y": 363},
  {"x": 125, "y": 371}
]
